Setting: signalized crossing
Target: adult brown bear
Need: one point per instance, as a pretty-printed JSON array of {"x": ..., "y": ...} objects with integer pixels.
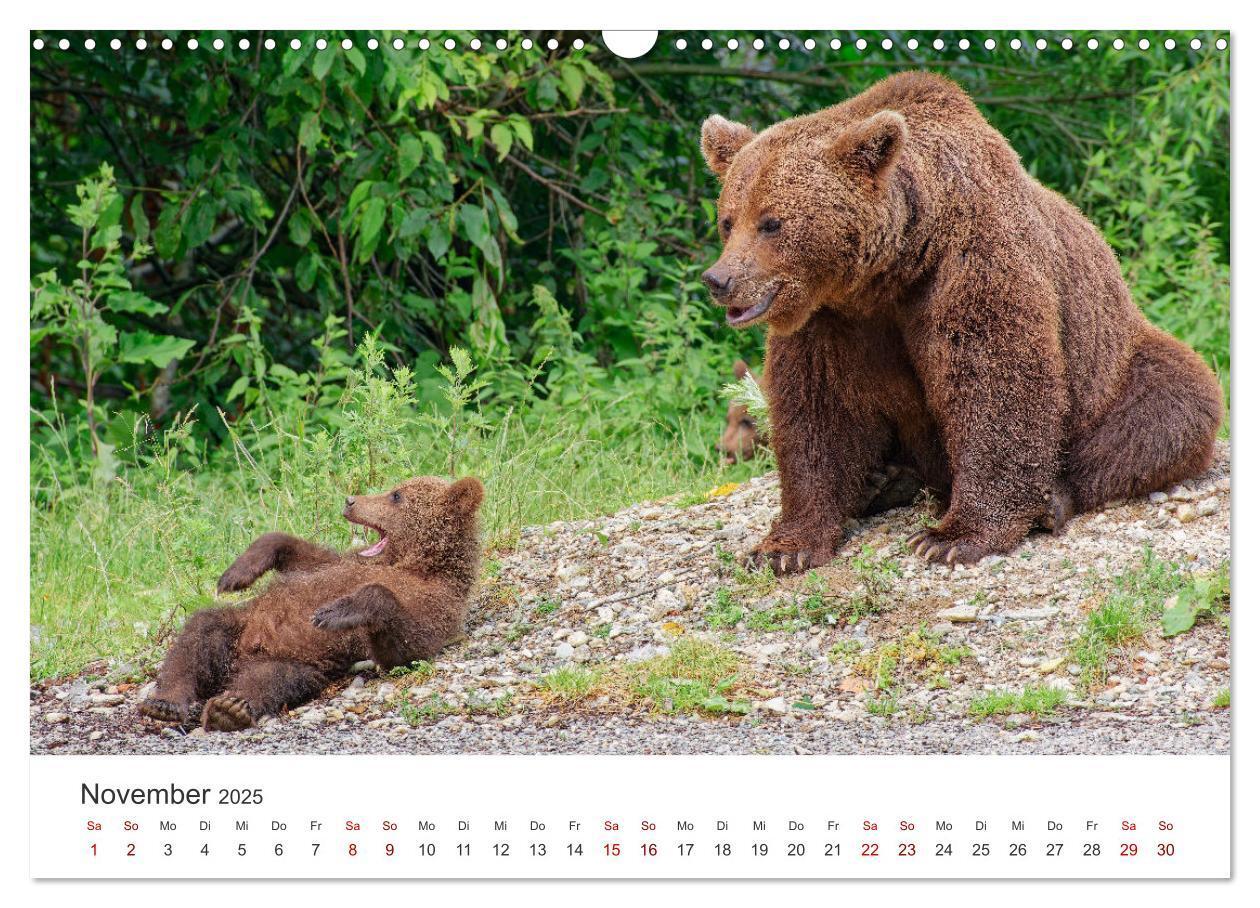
[{"x": 932, "y": 305}]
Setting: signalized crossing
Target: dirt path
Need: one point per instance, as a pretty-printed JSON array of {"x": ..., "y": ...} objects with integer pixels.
[{"x": 876, "y": 653}]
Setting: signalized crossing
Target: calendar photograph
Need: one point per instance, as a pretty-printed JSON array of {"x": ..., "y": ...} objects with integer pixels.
[{"x": 530, "y": 393}]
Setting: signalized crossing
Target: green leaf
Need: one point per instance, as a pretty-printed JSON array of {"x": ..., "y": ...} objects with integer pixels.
[
  {"x": 147, "y": 347},
  {"x": 323, "y": 62},
  {"x": 200, "y": 222},
  {"x": 130, "y": 301},
  {"x": 501, "y": 139},
  {"x": 410, "y": 151},
  {"x": 169, "y": 231},
  {"x": 309, "y": 130},
  {"x": 299, "y": 229},
  {"x": 237, "y": 389},
  {"x": 572, "y": 81},
  {"x": 437, "y": 239},
  {"x": 306, "y": 272},
  {"x": 546, "y": 94},
  {"x": 139, "y": 220},
  {"x": 357, "y": 60},
  {"x": 370, "y": 222}
]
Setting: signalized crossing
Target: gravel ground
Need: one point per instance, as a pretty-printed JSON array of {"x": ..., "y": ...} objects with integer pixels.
[{"x": 876, "y": 653}]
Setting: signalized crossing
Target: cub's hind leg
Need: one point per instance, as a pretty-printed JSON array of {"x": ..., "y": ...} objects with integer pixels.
[
  {"x": 196, "y": 667},
  {"x": 260, "y": 688}
]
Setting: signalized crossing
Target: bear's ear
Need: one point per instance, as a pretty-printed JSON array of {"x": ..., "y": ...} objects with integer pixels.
[
  {"x": 875, "y": 143},
  {"x": 720, "y": 139},
  {"x": 464, "y": 495},
  {"x": 741, "y": 369}
]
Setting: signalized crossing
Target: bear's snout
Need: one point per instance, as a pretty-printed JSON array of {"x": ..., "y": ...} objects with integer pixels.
[{"x": 718, "y": 279}]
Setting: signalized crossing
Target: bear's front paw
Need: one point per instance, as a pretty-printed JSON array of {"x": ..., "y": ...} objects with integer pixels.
[
  {"x": 942, "y": 548},
  {"x": 339, "y": 615},
  {"x": 225, "y": 713},
  {"x": 239, "y": 576},
  {"x": 169, "y": 711},
  {"x": 788, "y": 557}
]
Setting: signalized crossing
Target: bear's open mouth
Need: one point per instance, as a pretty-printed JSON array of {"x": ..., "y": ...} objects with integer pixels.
[
  {"x": 375, "y": 548},
  {"x": 743, "y": 315}
]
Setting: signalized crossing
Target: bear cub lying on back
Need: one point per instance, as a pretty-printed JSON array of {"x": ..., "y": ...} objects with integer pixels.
[{"x": 401, "y": 599}]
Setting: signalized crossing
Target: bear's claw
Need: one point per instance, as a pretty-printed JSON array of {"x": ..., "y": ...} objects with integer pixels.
[
  {"x": 787, "y": 562},
  {"x": 225, "y": 713},
  {"x": 934, "y": 547}
]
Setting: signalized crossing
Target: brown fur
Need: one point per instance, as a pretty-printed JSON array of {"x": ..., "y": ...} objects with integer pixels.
[
  {"x": 740, "y": 438},
  {"x": 930, "y": 303},
  {"x": 326, "y": 610}
]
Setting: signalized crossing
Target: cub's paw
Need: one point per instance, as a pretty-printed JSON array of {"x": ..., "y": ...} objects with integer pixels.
[
  {"x": 940, "y": 548},
  {"x": 224, "y": 713},
  {"x": 241, "y": 575},
  {"x": 788, "y": 558},
  {"x": 168, "y": 711},
  {"x": 339, "y": 615},
  {"x": 1059, "y": 509}
]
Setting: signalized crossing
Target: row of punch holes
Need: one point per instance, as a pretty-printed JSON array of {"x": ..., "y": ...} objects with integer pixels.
[{"x": 680, "y": 44}]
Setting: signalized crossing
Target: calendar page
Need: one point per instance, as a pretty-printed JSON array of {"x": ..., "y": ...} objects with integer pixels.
[{"x": 574, "y": 454}]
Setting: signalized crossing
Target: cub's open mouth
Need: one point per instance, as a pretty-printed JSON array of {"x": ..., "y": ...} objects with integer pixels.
[
  {"x": 743, "y": 315},
  {"x": 375, "y": 548}
]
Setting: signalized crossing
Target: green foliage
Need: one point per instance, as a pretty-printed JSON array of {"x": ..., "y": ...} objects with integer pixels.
[
  {"x": 1206, "y": 594},
  {"x": 1135, "y": 605},
  {"x": 73, "y": 316},
  {"x": 570, "y": 683},
  {"x": 1151, "y": 188},
  {"x": 1036, "y": 700},
  {"x": 695, "y": 676}
]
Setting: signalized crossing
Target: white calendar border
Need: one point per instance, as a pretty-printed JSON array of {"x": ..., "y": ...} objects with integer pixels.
[{"x": 658, "y": 14}]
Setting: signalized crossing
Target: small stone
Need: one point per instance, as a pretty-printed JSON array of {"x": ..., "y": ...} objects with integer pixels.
[
  {"x": 1051, "y": 665},
  {"x": 106, "y": 699},
  {"x": 1208, "y": 506},
  {"x": 1180, "y": 493},
  {"x": 96, "y": 735},
  {"x": 577, "y": 638},
  {"x": 565, "y": 651},
  {"x": 1158, "y": 497},
  {"x": 777, "y": 705},
  {"x": 960, "y": 614},
  {"x": 55, "y": 718},
  {"x": 1186, "y": 513}
]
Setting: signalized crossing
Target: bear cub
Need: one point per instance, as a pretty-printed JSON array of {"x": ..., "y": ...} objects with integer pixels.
[
  {"x": 741, "y": 437},
  {"x": 398, "y": 600}
]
